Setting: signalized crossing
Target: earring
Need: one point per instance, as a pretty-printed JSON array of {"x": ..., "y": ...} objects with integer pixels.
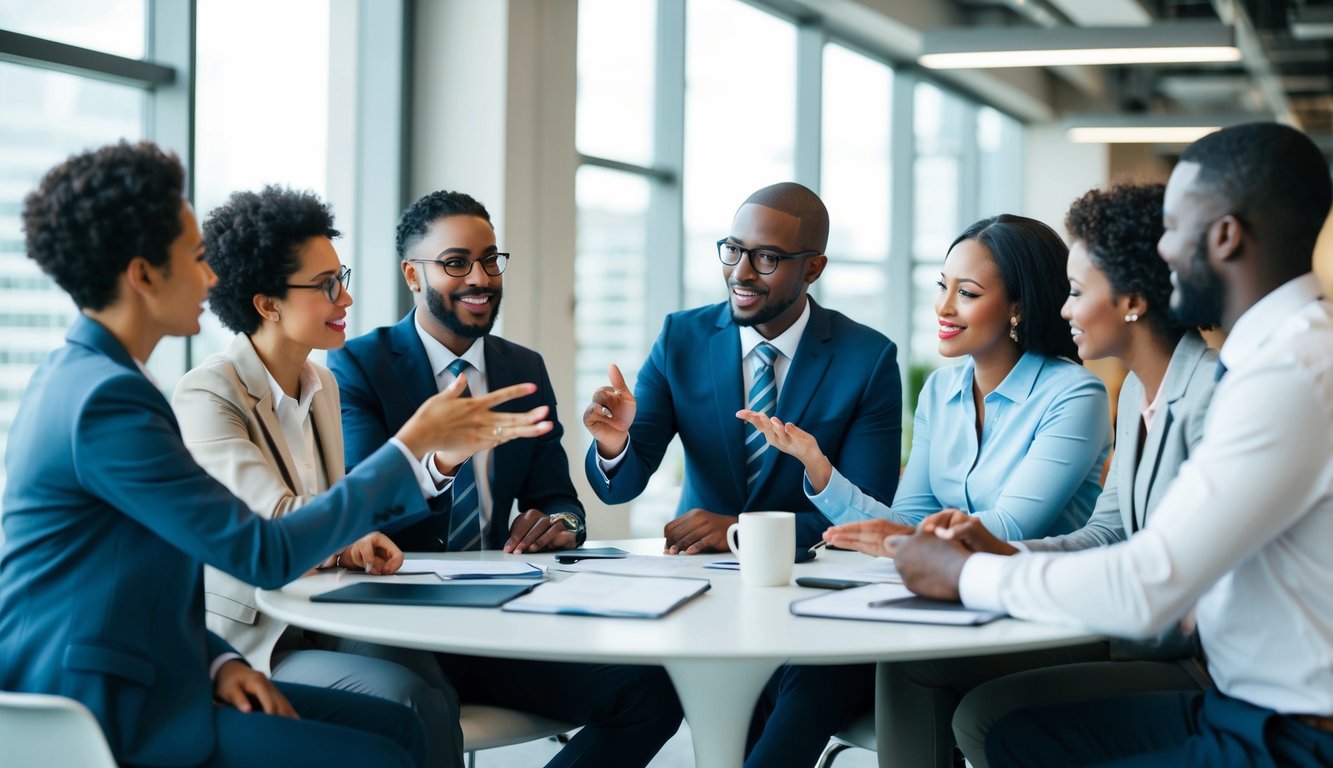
[
  {"x": 1013, "y": 329},
  {"x": 1132, "y": 317}
]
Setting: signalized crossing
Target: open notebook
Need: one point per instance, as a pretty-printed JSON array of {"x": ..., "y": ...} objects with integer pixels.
[
  {"x": 889, "y": 602},
  {"x": 604, "y": 594}
]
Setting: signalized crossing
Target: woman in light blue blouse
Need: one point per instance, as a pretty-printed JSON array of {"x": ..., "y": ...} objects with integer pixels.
[{"x": 1016, "y": 434}]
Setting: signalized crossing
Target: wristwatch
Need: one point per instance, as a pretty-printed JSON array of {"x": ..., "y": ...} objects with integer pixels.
[{"x": 572, "y": 522}]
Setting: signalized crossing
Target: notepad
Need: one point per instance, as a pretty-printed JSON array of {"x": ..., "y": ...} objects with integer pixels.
[
  {"x": 472, "y": 569},
  {"x": 902, "y": 606},
  {"x": 602, "y": 594},
  {"x": 471, "y": 595}
]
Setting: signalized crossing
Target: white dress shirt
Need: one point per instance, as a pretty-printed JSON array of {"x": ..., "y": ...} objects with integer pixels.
[
  {"x": 785, "y": 343},
  {"x": 1244, "y": 529},
  {"x": 440, "y": 357},
  {"x": 298, "y": 430}
]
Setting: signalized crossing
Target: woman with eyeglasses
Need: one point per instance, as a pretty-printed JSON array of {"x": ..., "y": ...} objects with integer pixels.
[{"x": 264, "y": 420}]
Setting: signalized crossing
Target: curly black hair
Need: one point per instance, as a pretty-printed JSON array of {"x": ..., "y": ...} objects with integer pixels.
[
  {"x": 1120, "y": 227},
  {"x": 253, "y": 243},
  {"x": 1031, "y": 259},
  {"x": 416, "y": 219},
  {"x": 94, "y": 213}
]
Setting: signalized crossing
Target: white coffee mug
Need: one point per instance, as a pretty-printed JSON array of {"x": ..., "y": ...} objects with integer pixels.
[{"x": 769, "y": 547}]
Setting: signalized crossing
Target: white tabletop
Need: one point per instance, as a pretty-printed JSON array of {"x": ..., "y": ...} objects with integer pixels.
[{"x": 719, "y": 648}]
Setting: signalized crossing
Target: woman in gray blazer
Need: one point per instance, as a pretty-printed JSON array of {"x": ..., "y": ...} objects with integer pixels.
[
  {"x": 264, "y": 420},
  {"x": 1118, "y": 307}
]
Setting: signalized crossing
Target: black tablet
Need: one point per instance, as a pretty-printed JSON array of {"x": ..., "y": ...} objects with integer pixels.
[{"x": 470, "y": 595}]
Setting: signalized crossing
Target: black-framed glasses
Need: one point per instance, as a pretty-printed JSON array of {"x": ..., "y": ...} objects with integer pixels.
[
  {"x": 332, "y": 286},
  {"x": 765, "y": 261},
  {"x": 456, "y": 266}
]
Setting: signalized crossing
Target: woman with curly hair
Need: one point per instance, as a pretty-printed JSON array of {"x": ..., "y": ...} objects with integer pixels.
[
  {"x": 1118, "y": 307},
  {"x": 264, "y": 419}
]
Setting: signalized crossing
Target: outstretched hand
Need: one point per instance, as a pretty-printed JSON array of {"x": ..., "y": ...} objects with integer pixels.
[
  {"x": 794, "y": 441},
  {"x": 609, "y": 416}
]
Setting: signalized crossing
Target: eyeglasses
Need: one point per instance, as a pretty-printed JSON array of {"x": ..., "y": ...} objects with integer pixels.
[
  {"x": 332, "y": 286},
  {"x": 765, "y": 261},
  {"x": 457, "y": 266}
]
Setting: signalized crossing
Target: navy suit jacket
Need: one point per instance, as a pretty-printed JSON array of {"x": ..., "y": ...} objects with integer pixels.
[
  {"x": 384, "y": 376},
  {"x": 108, "y": 522},
  {"x": 842, "y": 387}
]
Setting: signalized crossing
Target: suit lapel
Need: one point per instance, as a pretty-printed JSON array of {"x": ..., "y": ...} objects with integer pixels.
[
  {"x": 1185, "y": 359},
  {"x": 806, "y": 371},
  {"x": 724, "y": 351},
  {"x": 254, "y": 376}
]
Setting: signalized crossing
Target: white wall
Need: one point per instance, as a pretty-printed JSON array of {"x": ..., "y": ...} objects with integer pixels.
[{"x": 1056, "y": 172}]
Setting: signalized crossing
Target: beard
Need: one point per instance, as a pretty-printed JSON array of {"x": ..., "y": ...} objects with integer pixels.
[
  {"x": 444, "y": 312},
  {"x": 1198, "y": 299},
  {"x": 771, "y": 309}
]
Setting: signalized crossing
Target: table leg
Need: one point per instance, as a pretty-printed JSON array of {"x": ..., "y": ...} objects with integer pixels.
[{"x": 718, "y": 698}]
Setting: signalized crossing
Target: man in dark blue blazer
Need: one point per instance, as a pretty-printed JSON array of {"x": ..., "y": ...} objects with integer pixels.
[
  {"x": 770, "y": 348},
  {"x": 108, "y": 520},
  {"x": 453, "y": 267}
]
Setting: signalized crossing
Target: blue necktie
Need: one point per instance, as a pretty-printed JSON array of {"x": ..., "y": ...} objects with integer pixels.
[
  {"x": 763, "y": 397},
  {"x": 1220, "y": 372},
  {"x": 465, "y": 514}
]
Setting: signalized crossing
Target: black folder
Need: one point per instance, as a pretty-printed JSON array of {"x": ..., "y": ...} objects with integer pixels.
[{"x": 471, "y": 595}]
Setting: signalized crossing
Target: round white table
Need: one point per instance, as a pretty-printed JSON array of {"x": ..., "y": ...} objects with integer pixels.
[{"x": 719, "y": 649}]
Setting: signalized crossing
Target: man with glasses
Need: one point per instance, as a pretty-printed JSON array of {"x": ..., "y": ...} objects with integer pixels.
[
  {"x": 772, "y": 349},
  {"x": 454, "y": 270}
]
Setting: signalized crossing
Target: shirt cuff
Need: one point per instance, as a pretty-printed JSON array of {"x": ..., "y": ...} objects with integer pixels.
[
  {"x": 428, "y": 488},
  {"x": 838, "y": 500},
  {"x": 219, "y": 661},
  {"x": 979, "y": 582},
  {"x": 607, "y": 466},
  {"x": 440, "y": 482}
]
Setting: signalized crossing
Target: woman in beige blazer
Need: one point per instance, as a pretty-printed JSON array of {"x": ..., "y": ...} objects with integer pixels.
[
  {"x": 264, "y": 420},
  {"x": 1118, "y": 307}
]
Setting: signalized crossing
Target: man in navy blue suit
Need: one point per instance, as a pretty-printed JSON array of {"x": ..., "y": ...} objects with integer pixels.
[
  {"x": 772, "y": 349},
  {"x": 453, "y": 268},
  {"x": 108, "y": 520}
]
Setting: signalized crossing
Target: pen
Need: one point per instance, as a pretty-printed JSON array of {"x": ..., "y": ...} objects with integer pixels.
[{"x": 818, "y": 546}]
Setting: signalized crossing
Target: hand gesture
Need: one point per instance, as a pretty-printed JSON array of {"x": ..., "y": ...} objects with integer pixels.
[
  {"x": 373, "y": 553},
  {"x": 240, "y": 686},
  {"x": 973, "y": 535},
  {"x": 930, "y": 566},
  {"x": 866, "y": 536},
  {"x": 609, "y": 415},
  {"x": 698, "y": 531},
  {"x": 447, "y": 423},
  {"x": 533, "y": 531},
  {"x": 794, "y": 441}
]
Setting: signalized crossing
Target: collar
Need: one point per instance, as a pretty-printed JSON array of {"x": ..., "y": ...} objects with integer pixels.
[
  {"x": 440, "y": 357},
  {"x": 1017, "y": 385},
  {"x": 310, "y": 384},
  {"x": 1259, "y": 321},
  {"x": 786, "y": 342}
]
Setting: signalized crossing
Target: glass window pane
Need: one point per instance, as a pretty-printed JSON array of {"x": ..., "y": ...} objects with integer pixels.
[
  {"x": 1000, "y": 154},
  {"x": 616, "y": 55},
  {"x": 47, "y": 117},
  {"x": 740, "y": 125},
  {"x": 111, "y": 26},
  {"x": 855, "y": 183},
  {"x": 261, "y": 118},
  {"x": 939, "y": 147}
]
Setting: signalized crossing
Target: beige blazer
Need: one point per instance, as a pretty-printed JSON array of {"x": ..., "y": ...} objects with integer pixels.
[{"x": 225, "y": 408}]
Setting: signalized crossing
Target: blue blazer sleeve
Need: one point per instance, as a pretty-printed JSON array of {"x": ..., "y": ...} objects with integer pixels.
[
  {"x": 650, "y": 434},
  {"x": 217, "y": 646}
]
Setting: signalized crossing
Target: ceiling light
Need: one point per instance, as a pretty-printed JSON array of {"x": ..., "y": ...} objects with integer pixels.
[
  {"x": 1165, "y": 43},
  {"x": 1147, "y": 129}
]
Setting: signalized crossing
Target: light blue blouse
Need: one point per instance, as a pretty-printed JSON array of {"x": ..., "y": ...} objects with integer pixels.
[{"x": 1036, "y": 472}]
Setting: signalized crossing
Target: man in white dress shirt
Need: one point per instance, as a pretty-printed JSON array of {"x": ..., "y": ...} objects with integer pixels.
[{"x": 1244, "y": 530}]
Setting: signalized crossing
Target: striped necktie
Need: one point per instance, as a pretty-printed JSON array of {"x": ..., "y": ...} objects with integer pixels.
[
  {"x": 465, "y": 513},
  {"x": 763, "y": 397}
]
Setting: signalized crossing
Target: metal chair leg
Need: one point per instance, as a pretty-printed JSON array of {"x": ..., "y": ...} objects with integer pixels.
[{"x": 830, "y": 754}]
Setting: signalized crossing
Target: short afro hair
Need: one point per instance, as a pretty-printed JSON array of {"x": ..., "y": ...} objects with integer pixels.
[
  {"x": 799, "y": 201},
  {"x": 414, "y": 222},
  {"x": 94, "y": 213},
  {"x": 1120, "y": 227},
  {"x": 253, "y": 244},
  {"x": 1032, "y": 260}
]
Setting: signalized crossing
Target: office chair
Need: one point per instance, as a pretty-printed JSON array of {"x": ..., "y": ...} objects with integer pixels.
[
  {"x": 53, "y": 731},
  {"x": 486, "y": 727},
  {"x": 860, "y": 733}
]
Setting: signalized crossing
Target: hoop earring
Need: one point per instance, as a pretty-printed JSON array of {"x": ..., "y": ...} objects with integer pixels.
[
  {"x": 1132, "y": 317},
  {"x": 1013, "y": 328}
]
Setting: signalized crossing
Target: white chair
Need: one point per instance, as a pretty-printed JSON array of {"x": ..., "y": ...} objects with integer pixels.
[
  {"x": 487, "y": 727},
  {"x": 860, "y": 734},
  {"x": 53, "y": 731}
]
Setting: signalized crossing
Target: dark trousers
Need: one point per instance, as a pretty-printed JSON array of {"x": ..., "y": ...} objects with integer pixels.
[
  {"x": 1157, "y": 729},
  {"x": 627, "y": 712},
  {"x": 336, "y": 728},
  {"x": 801, "y": 707}
]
